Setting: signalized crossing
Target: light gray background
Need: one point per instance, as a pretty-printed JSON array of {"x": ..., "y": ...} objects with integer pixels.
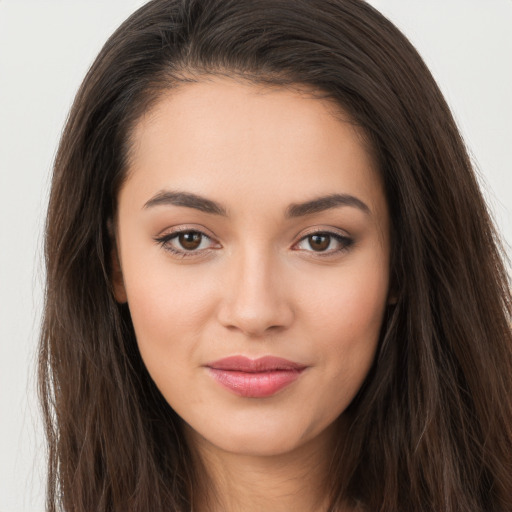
[{"x": 46, "y": 47}]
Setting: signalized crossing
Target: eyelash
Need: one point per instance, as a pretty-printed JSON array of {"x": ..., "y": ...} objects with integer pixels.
[
  {"x": 343, "y": 241},
  {"x": 164, "y": 241}
]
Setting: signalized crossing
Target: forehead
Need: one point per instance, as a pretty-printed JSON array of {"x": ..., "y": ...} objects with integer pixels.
[{"x": 224, "y": 137}]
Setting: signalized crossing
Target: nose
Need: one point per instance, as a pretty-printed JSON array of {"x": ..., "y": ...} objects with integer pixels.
[{"x": 254, "y": 298}]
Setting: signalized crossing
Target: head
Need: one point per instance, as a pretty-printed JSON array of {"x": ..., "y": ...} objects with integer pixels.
[{"x": 346, "y": 78}]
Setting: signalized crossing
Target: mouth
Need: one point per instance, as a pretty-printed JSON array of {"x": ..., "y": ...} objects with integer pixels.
[{"x": 255, "y": 378}]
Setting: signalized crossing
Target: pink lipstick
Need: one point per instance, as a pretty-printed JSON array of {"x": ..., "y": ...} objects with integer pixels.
[{"x": 255, "y": 378}]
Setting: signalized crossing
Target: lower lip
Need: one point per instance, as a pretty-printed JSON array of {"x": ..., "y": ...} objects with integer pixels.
[{"x": 255, "y": 385}]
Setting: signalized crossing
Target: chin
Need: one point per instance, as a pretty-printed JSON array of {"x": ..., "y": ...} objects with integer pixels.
[
  {"x": 262, "y": 438},
  {"x": 257, "y": 445}
]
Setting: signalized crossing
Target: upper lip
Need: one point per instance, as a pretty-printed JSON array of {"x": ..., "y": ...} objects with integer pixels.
[{"x": 262, "y": 364}]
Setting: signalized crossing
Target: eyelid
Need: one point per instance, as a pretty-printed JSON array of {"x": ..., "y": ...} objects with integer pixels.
[
  {"x": 167, "y": 235},
  {"x": 341, "y": 236},
  {"x": 328, "y": 230},
  {"x": 183, "y": 228}
]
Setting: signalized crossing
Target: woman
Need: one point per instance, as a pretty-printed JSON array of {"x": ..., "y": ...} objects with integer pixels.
[{"x": 273, "y": 283}]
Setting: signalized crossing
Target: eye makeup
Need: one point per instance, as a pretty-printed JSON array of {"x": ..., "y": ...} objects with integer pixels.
[
  {"x": 324, "y": 243},
  {"x": 188, "y": 242}
]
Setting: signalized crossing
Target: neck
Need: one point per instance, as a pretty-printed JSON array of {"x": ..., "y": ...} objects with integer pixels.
[{"x": 236, "y": 482}]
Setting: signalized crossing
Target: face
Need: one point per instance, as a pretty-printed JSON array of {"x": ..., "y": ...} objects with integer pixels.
[{"x": 253, "y": 243}]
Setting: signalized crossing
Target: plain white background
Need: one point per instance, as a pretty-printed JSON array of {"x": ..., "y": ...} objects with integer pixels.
[{"x": 46, "y": 46}]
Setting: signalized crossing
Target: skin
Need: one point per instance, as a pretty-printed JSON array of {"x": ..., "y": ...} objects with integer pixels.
[{"x": 257, "y": 284}]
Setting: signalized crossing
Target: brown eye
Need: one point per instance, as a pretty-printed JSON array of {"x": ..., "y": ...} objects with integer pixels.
[
  {"x": 190, "y": 240},
  {"x": 319, "y": 242},
  {"x": 187, "y": 243},
  {"x": 324, "y": 243}
]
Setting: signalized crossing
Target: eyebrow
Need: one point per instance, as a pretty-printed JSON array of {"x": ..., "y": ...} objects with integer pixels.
[
  {"x": 323, "y": 203},
  {"x": 319, "y": 204},
  {"x": 186, "y": 199}
]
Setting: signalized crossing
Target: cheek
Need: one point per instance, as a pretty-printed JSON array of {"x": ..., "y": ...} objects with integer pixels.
[
  {"x": 346, "y": 321},
  {"x": 167, "y": 328},
  {"x": 164, "y": 300},
  {"x": 350, "y": 304},
  {"x": 169, "y": 310}
]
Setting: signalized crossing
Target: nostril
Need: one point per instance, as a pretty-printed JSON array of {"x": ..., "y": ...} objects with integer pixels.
[{"x": 270, "y": 322}]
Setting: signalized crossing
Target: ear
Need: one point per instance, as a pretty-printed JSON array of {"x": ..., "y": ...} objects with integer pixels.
[{"x": 116, "y": 276}]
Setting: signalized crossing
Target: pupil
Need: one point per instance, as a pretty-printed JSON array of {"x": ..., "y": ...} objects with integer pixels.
[
  {"x": 319, "y": 242},
  {"x": 190, "y": 240}
]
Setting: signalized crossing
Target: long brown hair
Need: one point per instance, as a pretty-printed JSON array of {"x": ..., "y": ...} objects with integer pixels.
[{"x": 431, "y": 428}]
